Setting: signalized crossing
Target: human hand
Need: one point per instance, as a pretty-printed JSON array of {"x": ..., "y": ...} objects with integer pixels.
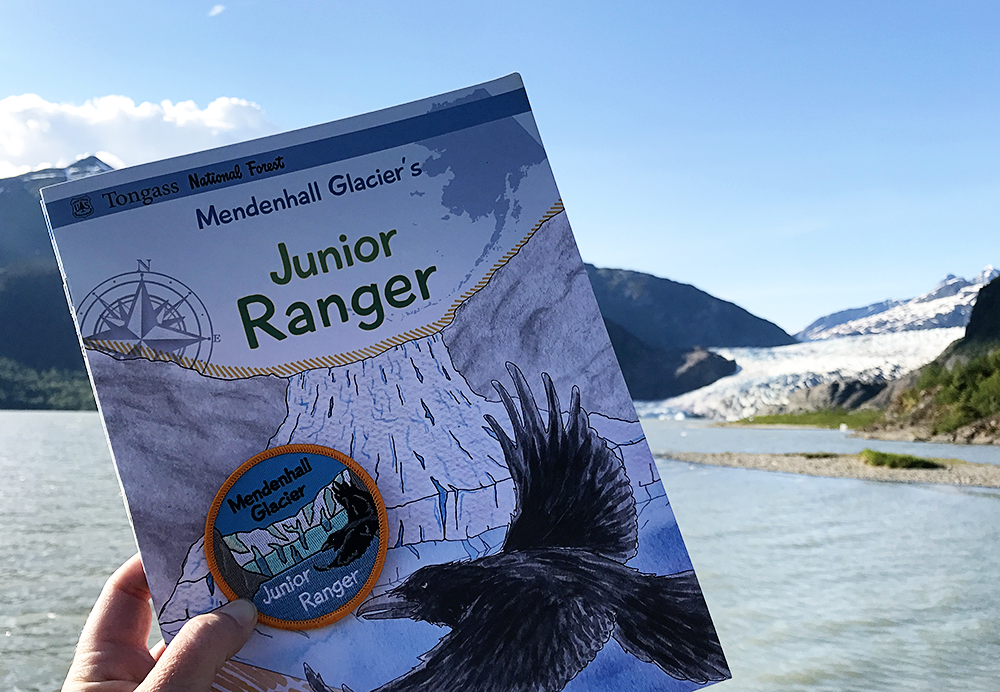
[{"x": 112, "y": 655}]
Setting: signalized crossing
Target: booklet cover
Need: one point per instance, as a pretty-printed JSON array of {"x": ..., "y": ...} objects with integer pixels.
[{"x": 356, "y": 373}]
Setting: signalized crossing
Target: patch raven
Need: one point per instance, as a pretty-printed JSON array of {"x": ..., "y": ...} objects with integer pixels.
[
  {"x": 532, "y": 616},
  {"x": 353, "y": 538}
]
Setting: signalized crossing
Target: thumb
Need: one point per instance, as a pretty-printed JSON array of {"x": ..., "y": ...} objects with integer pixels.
[{"x": 198, "y": 652}]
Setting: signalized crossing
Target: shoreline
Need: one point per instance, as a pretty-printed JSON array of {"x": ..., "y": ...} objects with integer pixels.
[
  {"x": 975, "y": 438},
  {"x": 966, "y": 474}
]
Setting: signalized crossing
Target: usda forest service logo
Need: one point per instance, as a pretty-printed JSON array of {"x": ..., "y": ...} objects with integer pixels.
[
  {"x": 145, "y": 314},
  {"x": 82, "y": 208}
]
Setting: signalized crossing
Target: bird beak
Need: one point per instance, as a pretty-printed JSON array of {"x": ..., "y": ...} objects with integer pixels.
[{"x": 386, "y": 606}]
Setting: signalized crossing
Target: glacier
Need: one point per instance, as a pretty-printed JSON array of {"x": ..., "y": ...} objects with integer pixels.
[{"x": 767, "y": 376}]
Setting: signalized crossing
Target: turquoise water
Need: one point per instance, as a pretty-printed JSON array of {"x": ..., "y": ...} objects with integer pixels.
[{"x": 814, "y": 583}]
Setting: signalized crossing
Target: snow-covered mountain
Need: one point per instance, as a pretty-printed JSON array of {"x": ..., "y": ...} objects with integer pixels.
[
  {"x": 948, "y": 304},
  {"x": 767, "y": 376}
]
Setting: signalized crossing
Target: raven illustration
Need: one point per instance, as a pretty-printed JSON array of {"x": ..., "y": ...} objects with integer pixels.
[
  {"x": 353, "y": 538},
  {"x": 532, "y": 616}
]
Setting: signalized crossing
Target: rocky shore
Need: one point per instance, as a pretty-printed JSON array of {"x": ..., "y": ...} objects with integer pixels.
[
  {"x": 980, "y": 432},
  {"x": 849, "y": 466}
]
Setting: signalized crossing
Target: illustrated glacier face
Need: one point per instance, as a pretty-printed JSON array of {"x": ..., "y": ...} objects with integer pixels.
[{"x": 414, "y": 425}]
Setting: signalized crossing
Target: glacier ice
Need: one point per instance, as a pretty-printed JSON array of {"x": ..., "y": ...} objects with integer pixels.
[{"x": 766, "y": 376}]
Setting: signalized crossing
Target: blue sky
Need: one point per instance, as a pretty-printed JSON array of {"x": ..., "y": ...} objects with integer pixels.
[{"x": 794, "y": 158}]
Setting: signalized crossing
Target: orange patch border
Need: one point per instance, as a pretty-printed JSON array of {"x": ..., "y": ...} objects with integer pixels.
[{"x": 383, "y": 537}]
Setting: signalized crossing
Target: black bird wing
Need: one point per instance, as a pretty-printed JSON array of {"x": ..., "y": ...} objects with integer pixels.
[
  {"x": 664, "y": 620},
  {"x": 490, "y": 649},
  {"x": 571, "y": 489}
]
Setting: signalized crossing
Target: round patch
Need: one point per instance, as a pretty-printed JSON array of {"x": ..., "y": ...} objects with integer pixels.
[{"x": 301, "y": 531}]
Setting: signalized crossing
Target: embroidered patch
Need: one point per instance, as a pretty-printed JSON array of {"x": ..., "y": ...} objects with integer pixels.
[{"x": 301, "y": 531}]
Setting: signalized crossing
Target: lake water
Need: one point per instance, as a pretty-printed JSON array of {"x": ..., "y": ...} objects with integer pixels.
[
  {"x": 64, "y": 531},
  {"x": 814, "y": 583},
  {"x": 695, "y": 435}
]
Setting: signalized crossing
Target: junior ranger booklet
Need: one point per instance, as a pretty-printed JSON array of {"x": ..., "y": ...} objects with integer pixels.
[{"x": 356, "y": 373}]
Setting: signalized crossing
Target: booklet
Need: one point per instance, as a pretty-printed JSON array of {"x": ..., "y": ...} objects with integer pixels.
[{"x": 356, "y": 373}]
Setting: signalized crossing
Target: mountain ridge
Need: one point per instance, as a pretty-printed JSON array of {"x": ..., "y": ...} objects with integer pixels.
[
  {"x": 42, "y": 362},
  {"x": 948, "y": 304},
  {"x": 657, "y": 327},
  {"x": 671, "y": 315},
  {"x": 23, "y": 235}
]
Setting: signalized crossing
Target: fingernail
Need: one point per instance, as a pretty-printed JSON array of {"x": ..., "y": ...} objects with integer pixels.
[{"x": 242, "y": 610}]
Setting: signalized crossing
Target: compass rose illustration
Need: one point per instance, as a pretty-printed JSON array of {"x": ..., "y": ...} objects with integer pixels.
[{"x": 145, "y": 314}]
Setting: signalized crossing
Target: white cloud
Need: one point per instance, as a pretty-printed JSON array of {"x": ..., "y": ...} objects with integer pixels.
[
  {"x": 216, "y": 10},
  {"x": 35, "y": 133}
]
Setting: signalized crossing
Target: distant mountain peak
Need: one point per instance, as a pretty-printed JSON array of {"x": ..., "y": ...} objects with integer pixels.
[
  {"x": 986, "y": 275},
  {"x": 86, "y": 167},
  {"x": 948, "y": 304},
  {"x": 23, "y": 236}
]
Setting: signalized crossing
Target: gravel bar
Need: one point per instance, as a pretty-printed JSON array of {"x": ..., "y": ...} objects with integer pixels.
[{"x": 848, "y": 466}]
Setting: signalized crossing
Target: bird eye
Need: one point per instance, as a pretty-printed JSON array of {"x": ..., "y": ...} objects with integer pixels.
[{"x": 423, "y": 585}]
